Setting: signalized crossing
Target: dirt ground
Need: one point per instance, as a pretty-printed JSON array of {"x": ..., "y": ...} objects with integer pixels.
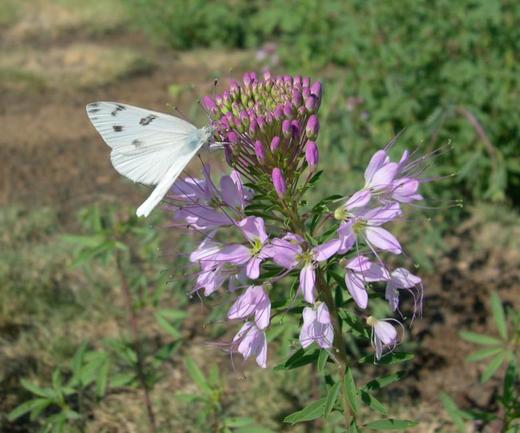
[{"x": 51, "y": 155}]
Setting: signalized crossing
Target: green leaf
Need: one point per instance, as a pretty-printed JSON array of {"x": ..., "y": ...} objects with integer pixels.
[
  {"x": 372, "y": 402},
  {"x": 238, "y": 421},
  {"x": 298, "y": 359},
  {"x": 167, "y": 326},
  {"x": 499, "y": 316},
  {"x": 493, "y": 366},
  {"x": 509, "y": 390},
  {"x": 483, "y": 354},
  {"x": 102, "y": 378},
  {"x": 350, "y": 390},
  {"x": 453, "y": 411},
  {"x": 353, "y": 428},
  {"x": 322, "y": 360},
  {"x": 390, "y": 424},
  {"x": 380, "y": 382},
  {"x": 197, "y": 376},
  {"x": 485, "y": 340},
  {"x": 41, "y": 392},
  {"x": 122, "y": 379},
  {"x": 308, "y": 413},
  {"x": 332, "y": 396},
  {"x": 26, "y": 407}
]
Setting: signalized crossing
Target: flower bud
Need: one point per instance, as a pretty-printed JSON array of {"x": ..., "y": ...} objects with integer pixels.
[
  {"x": 313, "y": 127},
  {"x": 287, "y": 109},
  {"x": 296, "y": 98},
  {"x": 295, "y": 129},
  {"x": 297, "y": 81},
  {"x": 261, "y": 122},
  {"x": 311, "y": 154},
  {"x": 286, "y": 128},
  {"x": 316, "y": 89},
  {"x": 312, "y": 103},
  {"x": 228, "y": 153},
  {"x": 246, "y": 78},
  {"x": 259, "y": 151},
  {"x": 306, "y": 81},
  {"x": 208, "y": 104},
  {"x": 267, "y": 75},
  {"x": 275, "y": 143},
  {"x": 233, "y": 86},
  {"x": 278, "y": 112},
  {"x": 278, "y": 182}
]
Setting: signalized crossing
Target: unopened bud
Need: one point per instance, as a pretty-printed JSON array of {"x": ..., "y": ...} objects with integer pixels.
[
  {"x": 208, "y": 104},
  {"x": 278, "y": 182},
  {"x": 311, "y": 154},
  {"x": 286, "y": 128},
  {"x": 259, "y": 151},
  {"x": 313, "y": 127},
  {"x": 275, "y": 143},
  {"x": 316, "y": 89}
]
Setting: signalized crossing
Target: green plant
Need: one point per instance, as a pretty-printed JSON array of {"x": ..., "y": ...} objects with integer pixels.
[{"x": 502, "y": 350}]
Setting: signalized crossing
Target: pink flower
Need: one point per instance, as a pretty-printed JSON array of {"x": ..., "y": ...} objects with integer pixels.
[
  {"x": 360, "y": 271},
  {"x": 250, "y": 256},
  {"x": 401, "y": 278},
  {"x": 290, "y": 254},
  {"x": 253, "y": 301},
  {"x": 317, "y": 327},
  {"x": 366, "y": 223},
  {"x": 251, "y": 341},
  {"x": 384, "y": 335}
]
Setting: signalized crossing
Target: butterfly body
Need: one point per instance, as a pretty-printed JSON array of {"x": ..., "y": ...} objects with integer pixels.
[{"x": 148, "y": 147}]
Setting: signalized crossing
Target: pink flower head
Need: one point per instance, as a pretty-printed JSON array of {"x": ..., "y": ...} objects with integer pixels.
[
  {"x": 250, "y": 256},
  {"x": 251, "y": 341},
  {"x": 401, "y": 278},
  {"x": 384, "y": 335},
  {"x": 359, "y": 272},
  {"x": 253, "y": 301},
  {"x": 317, "y": 327}
]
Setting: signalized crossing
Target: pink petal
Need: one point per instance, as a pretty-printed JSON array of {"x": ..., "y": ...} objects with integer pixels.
[
  {"x": 383, "y": 239},
  {"x": 346, "y": 236},
  {"x": 384, "y": 176},
  {"x": 376, "y": 162},
  {"x": 307, "y": 283},
  {"x": 385, "y": 332},
  {"x": 234, "y": 253},
  {"x": 253, "y": 229},
  {"x": 359, "y": 199},
  {"x": 253, "y": 268},
  {"x": 326, "y": 250},
  {"x": 357, "y": 290}
]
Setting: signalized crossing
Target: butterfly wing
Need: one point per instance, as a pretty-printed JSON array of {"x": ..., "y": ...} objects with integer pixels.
[{"x": 147, "y": 147}]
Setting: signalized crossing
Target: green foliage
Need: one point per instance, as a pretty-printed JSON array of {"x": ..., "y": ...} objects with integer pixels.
[
  {"x": 506, "y": 348},
  {"x": 445, "y": 71}
]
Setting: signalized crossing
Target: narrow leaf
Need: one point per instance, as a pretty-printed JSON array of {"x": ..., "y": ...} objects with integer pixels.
[
  {"x": 381, "y": 382},
  {"x": 350, "y": 390},
  {"x": 453, "y": 411},
  {"x": 391, "y": 424},
  {"x": 509, "y": 383},
  {"x": 483, "y": 354},
  {"x": 322, "y": 360},
  {"x": 18, "y": 411},
  {"x": 485, "y": 340},
  {"x": 498, "y": 315},
  {"x": 492, "y": 367},
  {"x": 308, "y": 413},
  {"x": 332, "y": 396},
  {"x": 197, "y": 376},
  {"x": 372, "y": 402}
]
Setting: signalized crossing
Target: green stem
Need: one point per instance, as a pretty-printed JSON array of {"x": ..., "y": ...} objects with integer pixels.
[{"x": 326, "y": 295}]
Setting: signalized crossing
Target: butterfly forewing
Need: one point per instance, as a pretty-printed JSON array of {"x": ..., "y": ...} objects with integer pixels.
[
  {"x": 145, "y": 143},
  {"x": 147, "y": 147}
]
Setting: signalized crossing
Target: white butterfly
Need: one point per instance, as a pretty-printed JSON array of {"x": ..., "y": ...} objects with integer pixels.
[{"x": 147, "y": 147}]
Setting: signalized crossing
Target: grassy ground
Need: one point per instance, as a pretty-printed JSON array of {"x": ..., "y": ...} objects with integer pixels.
[{"x": 62, "y": 54}]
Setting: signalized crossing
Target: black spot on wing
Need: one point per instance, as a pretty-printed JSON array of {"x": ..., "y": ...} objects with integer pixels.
[
  {"x": 94, "y": 104},
  {"x": 117, "y": 128},
  {"x": 147, "y": 120},
  {"x": 118, "y": 108},
  {"x": 94, "y": 110},
  {"x": 137, "y": 143}
]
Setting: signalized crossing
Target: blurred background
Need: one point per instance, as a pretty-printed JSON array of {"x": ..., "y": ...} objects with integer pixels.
[{"x": 448, "y": 72}]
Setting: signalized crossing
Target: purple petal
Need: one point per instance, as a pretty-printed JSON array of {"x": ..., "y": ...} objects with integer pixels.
[
  {"x": 253, "y": 267},
  {"x": 357, "y": 290},
  {"x": 392, "y": 296},
  {"x": 235, "y": 253},
  {"x": 376, "y": 162},
  {"x": 346, "y": 236},
  {"x": 326, "y": 250},
  {"x": 403, "y": 279},
  {"x": 385, "y": 332},
  {"x": 307, "y": 283},
  {"x": 383, "y": 239},
  {"x": 253, "y": 229},
  {"x": 359, "y": 199},
  {"x": 359, "y": 264},
  {"x": 405, "y": 189},
  {"x": 283, "y": 252},
  {"x": 384, "y": 176},
  {"x": 381, "y": 215}
]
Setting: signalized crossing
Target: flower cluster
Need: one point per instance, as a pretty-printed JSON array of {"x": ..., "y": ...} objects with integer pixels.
[{"x": 269, "y": 128}]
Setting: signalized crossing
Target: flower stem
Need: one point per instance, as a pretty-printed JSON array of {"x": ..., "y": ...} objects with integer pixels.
[
  {"x": 132, "y": 319},
  {"x": 339, "y": 341}
]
